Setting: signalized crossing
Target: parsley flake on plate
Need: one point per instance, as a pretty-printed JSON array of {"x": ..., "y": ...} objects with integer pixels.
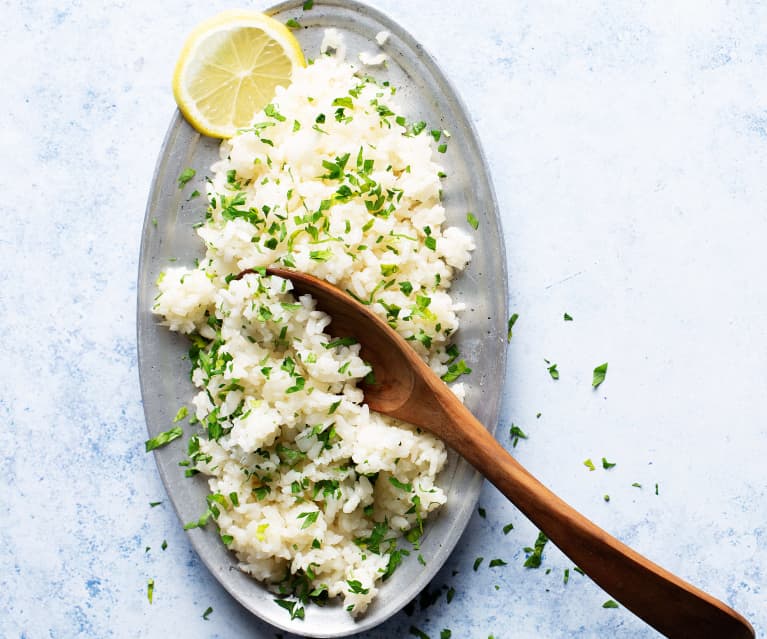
[
  {"x": 186, "y": 175},
  {"x": 163, "y": 438},
  {"x": 512, "y": 320}
]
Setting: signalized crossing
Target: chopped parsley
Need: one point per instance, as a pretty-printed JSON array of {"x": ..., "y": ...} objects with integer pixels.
[
  {"x": 508, "y": 528},
  {"x": 309, "y": 518},
  {"x": 416, "y": 632},
  {"x": 553, "y": 371},
  {"x": 150, "y": 590},
  {"x": 182, "y": 412},
  {"x": 472, "y": 220},
  {"x": 512, "y": 320},
  {"x": 516, "y": 433},
  {"x": 600, "y": 372},
  {"x": 568, "y": 317},
  {"x": 454, "y": 371},
  {"x": 610, "y": 604},
  {"x": 154, "y": 503},
  {"x": 606, "y": 464},
  {"x": 497, "y": 562},
  {"x": 589, "y": 464},
  {"x": 163, "y": 438},
  {"x": 450, "y": 594},
  {"x": 308, "y": 4},
  {"x": 186, "y": 175},
  {"x": 535, "y": 556},
  {"x": 445, "y": 633},
  {"x": 398, "y": 484},
  {"x": 355, "y": 587},
  {"x": 477, "y": 563},
  {"x": 292, "y": 24},
  {"x": 290, "y": 606},
  {"x": 207, "y": 612},
  {"x": 482, "y": 512}
]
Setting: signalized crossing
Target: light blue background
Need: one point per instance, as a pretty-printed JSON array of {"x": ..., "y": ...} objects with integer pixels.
[{"x": 628, "y": 147}]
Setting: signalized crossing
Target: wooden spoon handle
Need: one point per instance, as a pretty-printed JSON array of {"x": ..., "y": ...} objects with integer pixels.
[{"x": 666, "y": 602}]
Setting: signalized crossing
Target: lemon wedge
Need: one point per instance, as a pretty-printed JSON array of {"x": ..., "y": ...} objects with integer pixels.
[{"x": 229, "y": 69}]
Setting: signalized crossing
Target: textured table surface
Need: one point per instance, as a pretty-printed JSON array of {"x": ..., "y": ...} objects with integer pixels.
[{"x": 628, "y": 145}]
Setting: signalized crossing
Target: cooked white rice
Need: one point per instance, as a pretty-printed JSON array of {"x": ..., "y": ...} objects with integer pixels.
[{"x": 305, "y": 480}]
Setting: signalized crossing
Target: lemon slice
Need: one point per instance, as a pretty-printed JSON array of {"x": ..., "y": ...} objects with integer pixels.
[{"x": 229, "y": 69}]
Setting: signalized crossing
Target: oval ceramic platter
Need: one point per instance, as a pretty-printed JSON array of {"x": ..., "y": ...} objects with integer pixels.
[{"x": 169, "y": 237}]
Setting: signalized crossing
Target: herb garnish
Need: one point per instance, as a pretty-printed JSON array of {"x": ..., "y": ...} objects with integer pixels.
[
  {"x": 600, "y": 372},
  {"x": 186, "y": 175},
  {"x": 163, "y": 438},
  {"x": 536, "y": 553},
  {"x": 512, "y": 320}
]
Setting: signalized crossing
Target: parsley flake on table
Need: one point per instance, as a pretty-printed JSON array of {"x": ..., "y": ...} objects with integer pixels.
[
  {"x": 508, "y": 528},
  {"x": 589, "y": 464},
  {"x": 477, "y": 563},
  {"x": 535, "y": 556},
  {"x": 417, "y": 632},
  {"x": 553, "y": 371},
  {"x": 610, "y": 604},
  {"x": 450, "y": 594},
  {"x": 606, "y": 464},
  {"x": 207, "y": 612},
  {"x": 150, "y": 590},
  {"x": 446, "y": 633},
  {"x": 516, "y": 433},
  {"x": 472, "y": 220},
  {"x": 568, "y": 317},
  {"x": 497, "y": 562},
  {"x": 182, "y": 412},
  {"x": 600, "y": 372}
]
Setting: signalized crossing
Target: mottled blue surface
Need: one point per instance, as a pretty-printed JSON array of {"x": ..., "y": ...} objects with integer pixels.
[{"x": 628, "y": 145}]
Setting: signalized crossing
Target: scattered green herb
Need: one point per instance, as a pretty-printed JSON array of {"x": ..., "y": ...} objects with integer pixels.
[
  {"x": 553, "y": 371},
  {"x": 568, "y": 317},
  {"x": 163, "y": 438},
  {"x": 516, "y": 433},
  {"x": 182, "y": 412},
  {"x": 512, "y": 320},
  {"x": 207, "y": 612},
  {"x": 477, "y": 563},
  {"x": 150, "y": 590},
  {"x": 292, "y": 24},
  {"x": 472, "y": 220},
  {"x": 589, "y": 464},
  {"x": 606, "y": 464},
  {"x": 535, "y": 556},
  {"x": 610, "y": 604},
  {"x": 508, "y": 528},
  {"x": 600, "y": 372},
  {"x": 186, "y": 175},
  {"x": 497, "y": 562}
]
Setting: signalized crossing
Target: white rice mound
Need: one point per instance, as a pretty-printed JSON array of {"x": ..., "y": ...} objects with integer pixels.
[{"x": 305, "y": 480}]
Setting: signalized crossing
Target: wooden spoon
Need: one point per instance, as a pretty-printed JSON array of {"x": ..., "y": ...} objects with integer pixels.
[{"x": 405, "y": 387}]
